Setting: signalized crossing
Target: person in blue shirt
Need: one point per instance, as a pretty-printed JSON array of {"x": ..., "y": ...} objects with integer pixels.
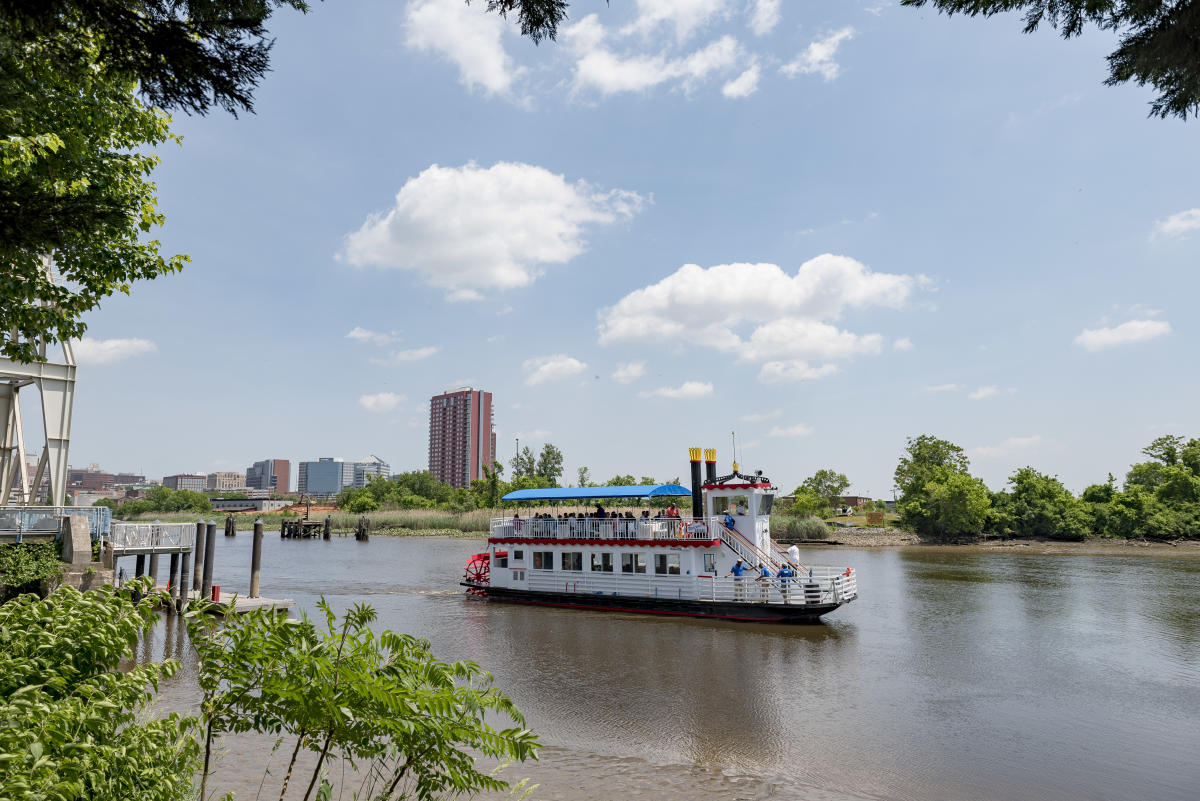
[
  {"x": 764, "y": 583},
  {"x": 739, "y": 589},
  {"x": 786, "y": 574}
]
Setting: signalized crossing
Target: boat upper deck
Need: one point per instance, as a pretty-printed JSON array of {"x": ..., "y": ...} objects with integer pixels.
[{"x": 607, "y": 528}]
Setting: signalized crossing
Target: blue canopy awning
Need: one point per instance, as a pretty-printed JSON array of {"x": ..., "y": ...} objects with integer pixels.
[{"x": 592, "y": 493}]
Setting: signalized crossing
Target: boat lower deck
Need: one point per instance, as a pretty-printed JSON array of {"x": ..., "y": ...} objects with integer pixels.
[{"x": 798, "y": 612}]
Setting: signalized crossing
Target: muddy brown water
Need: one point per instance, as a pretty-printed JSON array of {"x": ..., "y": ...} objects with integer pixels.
[{"x": 956, "y": 675}]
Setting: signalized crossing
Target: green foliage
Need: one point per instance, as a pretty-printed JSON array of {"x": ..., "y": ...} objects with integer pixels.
[
  {"x": 25, "y": 565},
  {"x": 805, "y": 528},
  {"x": 584, "y": 477},
  {"x": 523, "y": 464},
  {"x": 1039, "y": 505},
  {"x": 939, "y": 498},
  {"x": 109, "y": 503},
  {"x": 75, "y": 156},
  {"x": 165, "y": 499},
  {"x": 413, "y": 724},
  {"x": 75, "y": 725},
  {"x": 550, "y": 464},
  {"x": 826, "y": 484},
  {"x": 808, "y": 503},
  {"x": 1157, "y": 40}
]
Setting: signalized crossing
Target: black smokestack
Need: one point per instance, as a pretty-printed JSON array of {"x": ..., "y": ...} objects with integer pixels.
[
  {"x": 697, "y": 491},
  {"x": 710, "y": 465}
]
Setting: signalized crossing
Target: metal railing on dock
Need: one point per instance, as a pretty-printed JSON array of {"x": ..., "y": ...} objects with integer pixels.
[
  {"x": 46, "y": 519},
  {"x": 135, "y": 538}
]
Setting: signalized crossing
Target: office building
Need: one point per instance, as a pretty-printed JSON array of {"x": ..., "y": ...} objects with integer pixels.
[
  {"x": 225, "y": 481},
  {"x": 270, "y": 474},
  {"x": 185, "y": 482},
  {"x": 325, "y": 476},
  {"x": 462, "y": 439},
  {"x": 91, "y": 480},
  {"x": 369, "y": 468}
]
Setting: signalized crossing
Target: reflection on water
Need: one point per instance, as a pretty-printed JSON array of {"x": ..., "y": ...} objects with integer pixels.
[{"x": 955, "y": 675}]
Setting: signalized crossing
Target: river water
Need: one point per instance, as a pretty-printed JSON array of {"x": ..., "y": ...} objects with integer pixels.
[{"x": 956, "y": 675}]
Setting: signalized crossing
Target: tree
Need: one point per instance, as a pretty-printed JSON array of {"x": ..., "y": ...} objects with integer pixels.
[
  {"x": 1159, "y": 40},
  {"x": 621, "y": 481},
  {"x": 827, "y": 484},
  {"x": 76, "y": 142},
  {"x": 413, "y": 724},
  {"x": 808, "y": 503},
  {"x": 1040, "y": 506},
  {"x": 523, "y": 464},
  {"x": 585, "y": 477},
  {"x": 925, "y": 459},
  {"x": 77, "y": 724},
  {"x": 550, "y": 464},
  {"x": 956, "y": 505}
]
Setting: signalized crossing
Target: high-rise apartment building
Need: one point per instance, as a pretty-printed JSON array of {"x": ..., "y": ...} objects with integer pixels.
[
  {"x": 270, "y": 474},
  {"x": 461, "y": 437}
]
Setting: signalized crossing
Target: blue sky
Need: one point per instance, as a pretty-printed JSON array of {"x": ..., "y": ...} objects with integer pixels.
[{"x": 899, "y": 223}]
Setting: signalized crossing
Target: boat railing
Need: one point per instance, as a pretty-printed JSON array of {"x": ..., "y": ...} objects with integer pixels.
[
  {"x": 609, "y": 528},
  {"x": 823, "y": 586}
]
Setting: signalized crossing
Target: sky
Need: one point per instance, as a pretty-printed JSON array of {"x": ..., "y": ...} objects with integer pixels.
[{"x": 826, "y": 226}]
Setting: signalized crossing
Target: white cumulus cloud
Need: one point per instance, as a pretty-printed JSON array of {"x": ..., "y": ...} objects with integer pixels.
[
  {"x": 467, "y": 36},
  {"x": 688, "y": 389},
  {"x": 786, "y": 315},
  {"x": 380, "y": 401},
  {"x": 743, "y": 85},
  {"x": 685, "y": 16},
  {"x": 819, "y": 57},
  {"x": 409, "y": 355},
  {"x": 629, "y": 372},
  {"x": 1007, "y": 447},
  {"x": 942, "y": 388},
  {"x": 1177, "y": 225},
  {"x": 765, "y": 15},
  {"x": 1127, "y": 333},
  {"x": 360, "y": 334},
  {"x": 551, "y": 368},
  {"x": 797, "y": 430},
  {"x": 109, "y": 351},
  {"x": 990, "y": 391},
  {"x": 903, "y": 343},
  {"x": 470, "y": 229}
]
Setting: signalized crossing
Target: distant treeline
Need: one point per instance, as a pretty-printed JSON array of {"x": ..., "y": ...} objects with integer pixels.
[{"x": 1158, "y": 499}]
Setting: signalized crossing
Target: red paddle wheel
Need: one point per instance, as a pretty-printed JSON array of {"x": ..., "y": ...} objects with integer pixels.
[{"x": 477, "y": 574}]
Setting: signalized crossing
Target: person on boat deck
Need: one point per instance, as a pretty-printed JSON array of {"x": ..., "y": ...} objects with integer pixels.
[
  {"x": 600, "y": 515},
  {"x": 516, "y": 521},
  {"x": 728, "y": 519},
  {"x": 673, "y": 510},
  {"x": 785, "y": 579},
  {"x": 740, "y": 508},
  {"x": 739, "y": 589},
  {"x": 764, "y": 582}
]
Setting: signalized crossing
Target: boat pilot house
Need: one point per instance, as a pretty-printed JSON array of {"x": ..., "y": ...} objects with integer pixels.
[{"x": 719, "y": 561}]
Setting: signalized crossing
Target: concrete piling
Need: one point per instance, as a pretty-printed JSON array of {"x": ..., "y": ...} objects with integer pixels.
[
  {"x": 139, "y": 569},
  {"x": 210, "y": 547},
  {"x": 181, "y": 601},
  {"x": 256, "y": 558},
  {"x": 152, "y": 568}
]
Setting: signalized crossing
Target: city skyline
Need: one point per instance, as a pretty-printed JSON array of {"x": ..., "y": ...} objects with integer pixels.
[{"x": 827, "y": 230}]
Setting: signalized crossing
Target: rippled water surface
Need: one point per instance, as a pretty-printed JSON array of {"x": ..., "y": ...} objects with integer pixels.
[{"x": 956, "y": 675}]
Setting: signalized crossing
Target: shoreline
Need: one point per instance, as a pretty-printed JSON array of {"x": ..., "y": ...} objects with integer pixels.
[{"x": 868, "y": 538}]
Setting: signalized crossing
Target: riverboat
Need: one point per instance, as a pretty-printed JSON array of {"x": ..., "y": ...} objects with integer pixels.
[{"x": 665, "y": 564}]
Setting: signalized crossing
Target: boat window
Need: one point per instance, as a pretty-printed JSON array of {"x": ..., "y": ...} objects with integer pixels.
[
  {"x": 518, "y": 575},
  {"x": 501, "y": 561},
  {"x": 602, "y": 562},
  {"x": 764, "y": 504},
  {"x": 710, "y": 563},
  {"x": 543, "y": 560},
  {"x": 572, "y": 560},
  {"x": 517, "y": 556},
  {"x": 666, "y": 564},
  {"x": 633, "y": 563}
]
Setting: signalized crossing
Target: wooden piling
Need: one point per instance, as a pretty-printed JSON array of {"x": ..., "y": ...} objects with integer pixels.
[
  {"x": 181, "y": 601},
  {"x": 210, "y": 547},
  {"x": 198, "y": 555},
  {"x": 283, "y": 528},
  {"x": 328, "y": 527},
  {"x": 256, "y": 558},
  {"x": 173, "y": 583},
  {"x": 230, "y": 526}
]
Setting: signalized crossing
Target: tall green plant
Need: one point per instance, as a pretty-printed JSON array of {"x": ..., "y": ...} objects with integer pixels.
[
  {"x": 72, "y": 724},
  {"x": 413, "y": 725}
]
